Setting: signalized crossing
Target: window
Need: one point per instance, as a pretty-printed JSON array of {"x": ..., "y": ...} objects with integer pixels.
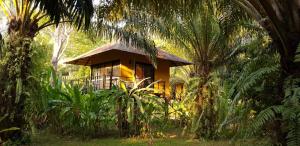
[
  {"x": 105, "y": 75},
  {"x": 107, "y": 69}
]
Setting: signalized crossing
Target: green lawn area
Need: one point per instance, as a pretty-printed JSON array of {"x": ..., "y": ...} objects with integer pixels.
[{"x": 52, "y": 140}]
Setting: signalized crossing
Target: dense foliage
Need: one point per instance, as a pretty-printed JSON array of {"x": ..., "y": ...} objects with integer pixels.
[{"x": 244, "y": 81}]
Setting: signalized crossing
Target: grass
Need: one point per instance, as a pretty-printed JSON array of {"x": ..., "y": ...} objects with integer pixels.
[{"x": 53, "y": 140}]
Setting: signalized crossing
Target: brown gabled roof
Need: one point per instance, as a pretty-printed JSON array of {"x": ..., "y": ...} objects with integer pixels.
[{"x": 176, "y": 61}]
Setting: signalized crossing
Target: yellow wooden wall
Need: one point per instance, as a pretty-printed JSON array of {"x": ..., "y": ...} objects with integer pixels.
[{"x": 163, "y": 73}]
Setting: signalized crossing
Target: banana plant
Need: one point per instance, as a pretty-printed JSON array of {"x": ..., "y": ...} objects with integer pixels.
[{"x": 137, "y": 105}]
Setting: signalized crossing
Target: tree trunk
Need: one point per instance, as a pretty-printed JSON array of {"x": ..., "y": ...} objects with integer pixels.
[
  {"x": 14, "y": 73},
  {"x": 60, "y": 37},
  {"x": 136, "y": 124},
  {"x": 166, "y": 108},
  {"x": 13, "y": 83},
  {"x": 204, "y": 107},
  {"x": 289, "y": 69}
]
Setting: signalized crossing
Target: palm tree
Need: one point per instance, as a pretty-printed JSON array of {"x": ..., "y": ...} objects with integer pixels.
[
  {"x": 25, "y": 19},
  {"x": 205, "y": 43}
]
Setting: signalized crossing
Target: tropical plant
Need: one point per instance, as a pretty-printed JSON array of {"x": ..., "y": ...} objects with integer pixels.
[
  {"x": 281, "y": 20},
  {"x": 289, "y": 111},
  {"x": 257, "y": 80},
  {"x": 87, "y": 114},
  {"x": 135, "y": 107},
  {"x": 70, "y": 110}
]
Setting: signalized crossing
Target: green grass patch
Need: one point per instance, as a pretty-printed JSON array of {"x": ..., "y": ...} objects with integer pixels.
[{"x": 53, "y": 140}]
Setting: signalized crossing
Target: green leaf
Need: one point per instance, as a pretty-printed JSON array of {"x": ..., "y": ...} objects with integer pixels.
[
  {"x": 10, "y": 129},
  {"x": 140, "y": 105}
]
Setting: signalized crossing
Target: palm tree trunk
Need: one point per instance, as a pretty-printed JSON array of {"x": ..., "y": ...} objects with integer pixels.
[
  {"x": 201, "y": 106},
  {"x": 13, "y": 78}
]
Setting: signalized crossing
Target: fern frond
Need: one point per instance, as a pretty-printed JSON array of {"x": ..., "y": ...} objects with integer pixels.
[
  {"x": 293, "y": 137},
  {"x": 297, "y": 56},
  {"x": 246, "y": 83},
  {"x": 263, "y": 117}
]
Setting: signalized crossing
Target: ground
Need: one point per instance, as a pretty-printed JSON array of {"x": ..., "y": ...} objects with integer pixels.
[{"x": 53, "y": 140}]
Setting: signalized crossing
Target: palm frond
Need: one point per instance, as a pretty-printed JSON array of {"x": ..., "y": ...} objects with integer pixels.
[
  {"x": 113, "y": 30},
  {"x": 78, "y": 11}
]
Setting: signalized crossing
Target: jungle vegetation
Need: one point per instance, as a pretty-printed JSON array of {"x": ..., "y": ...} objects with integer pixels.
[{"x": 244, "y": 82}]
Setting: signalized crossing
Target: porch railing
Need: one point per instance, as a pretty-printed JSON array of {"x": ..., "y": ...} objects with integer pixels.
[{"x": 107, "y": 82}]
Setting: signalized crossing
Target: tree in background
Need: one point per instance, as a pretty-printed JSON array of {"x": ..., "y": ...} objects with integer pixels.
[
  {"x": 204, "y": 33},
  {"x": 60, "y": 37}
]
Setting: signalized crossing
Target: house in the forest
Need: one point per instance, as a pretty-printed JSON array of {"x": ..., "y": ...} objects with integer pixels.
[{"x": 114, "y": 62}]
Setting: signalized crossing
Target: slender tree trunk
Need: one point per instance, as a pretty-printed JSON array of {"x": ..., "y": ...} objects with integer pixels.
[
  {"x": 122, "y": 122},
  {"x": 60, "y": 37},
  {"x": 166, "y": 108},
  {"x": 136, "y": 124}
]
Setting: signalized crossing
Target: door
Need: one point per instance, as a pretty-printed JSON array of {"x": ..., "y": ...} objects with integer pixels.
[{"x": 143, "y": 71}]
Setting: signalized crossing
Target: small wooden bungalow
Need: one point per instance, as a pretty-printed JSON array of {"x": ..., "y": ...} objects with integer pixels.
[{"x": 116, "y": 61}]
